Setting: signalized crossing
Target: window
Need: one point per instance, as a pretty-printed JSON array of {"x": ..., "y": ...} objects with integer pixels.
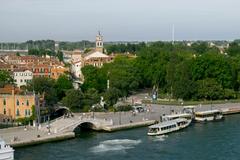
[
  {"x": 4, "y": 102},
  {"x": 26, "y": 112},
  {"x": 29, "y": 112},
  {"x": 17, "y": 102},
  {"x": 4, "y": 111},
  {"x": 21, "y": 80},
  {"x": 27, "y": 103},
  {"x": 17, "y": 113}
]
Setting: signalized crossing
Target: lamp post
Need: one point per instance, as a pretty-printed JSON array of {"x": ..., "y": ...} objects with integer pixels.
[
  {"x": 120, "y": 118},
  {"x": 49, "y": 132}
]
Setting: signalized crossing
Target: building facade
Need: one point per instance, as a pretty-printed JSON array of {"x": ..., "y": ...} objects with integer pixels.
[
  {"x": 22, "y": 77},
  {"x": 57, "y": 71},
  {"x": 96, "y": 57},
  {"x": 99, "y": 42},
  {"x": 76, "y": 69},
  {"x": 16, "y": 104}
]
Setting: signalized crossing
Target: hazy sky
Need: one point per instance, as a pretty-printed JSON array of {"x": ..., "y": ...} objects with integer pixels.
[{"x": 75, "y": 20}]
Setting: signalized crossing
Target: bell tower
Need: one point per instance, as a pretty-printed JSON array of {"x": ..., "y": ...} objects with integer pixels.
[{"x": 99, "y": 42}]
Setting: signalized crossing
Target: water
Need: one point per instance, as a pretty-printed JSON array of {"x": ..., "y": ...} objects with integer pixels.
[{"x": 211, "y": 141}]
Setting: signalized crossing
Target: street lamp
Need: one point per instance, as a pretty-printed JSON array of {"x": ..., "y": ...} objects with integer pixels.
[
  {"x": 49, "y": 132},
  {"x": 120, "y": 118}
]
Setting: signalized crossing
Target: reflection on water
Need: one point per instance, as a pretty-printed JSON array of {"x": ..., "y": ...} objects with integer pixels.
[{"x": 210, "y": 141}]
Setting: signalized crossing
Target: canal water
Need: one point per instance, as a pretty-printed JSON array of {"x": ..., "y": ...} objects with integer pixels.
[{"x": 210, "y": 141}]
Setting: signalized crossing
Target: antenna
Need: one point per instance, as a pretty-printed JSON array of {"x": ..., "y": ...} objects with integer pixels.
[{"x": 173, "y": 34}]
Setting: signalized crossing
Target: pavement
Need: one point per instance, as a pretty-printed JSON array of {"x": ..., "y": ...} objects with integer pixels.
[{"x": 117, "y": 118}]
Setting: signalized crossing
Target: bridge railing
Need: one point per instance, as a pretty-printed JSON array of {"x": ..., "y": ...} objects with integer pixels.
[{"x": 84, "y": 119}]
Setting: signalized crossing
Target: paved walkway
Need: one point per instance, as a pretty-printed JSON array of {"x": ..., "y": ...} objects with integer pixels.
[{"x": 118, "y": 118}]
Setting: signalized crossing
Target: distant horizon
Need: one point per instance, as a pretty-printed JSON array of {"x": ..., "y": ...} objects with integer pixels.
[
  {"x": 115, "y": 41},
  {"x": 125, "y": 20}
]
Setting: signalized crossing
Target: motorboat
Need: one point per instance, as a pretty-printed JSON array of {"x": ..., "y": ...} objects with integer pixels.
[
  {"x": 6, "y": 152},
  {"x": 168, "y": 126}
]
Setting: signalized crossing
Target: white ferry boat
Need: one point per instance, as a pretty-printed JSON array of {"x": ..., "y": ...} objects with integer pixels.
[
  {"x": 168, "y": 126},
  {"x": 212, "y": 115},
  {"x": 6, "y": 152},
  {"x": 187, "y": 116}
]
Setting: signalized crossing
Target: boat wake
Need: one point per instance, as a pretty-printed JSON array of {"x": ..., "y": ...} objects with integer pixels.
[
  {"x": 115, "y": 145},
  {"x": 160, "y": 138}
]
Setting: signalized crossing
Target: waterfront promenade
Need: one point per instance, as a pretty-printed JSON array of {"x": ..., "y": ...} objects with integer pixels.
[{"x": 63, "y": 128}]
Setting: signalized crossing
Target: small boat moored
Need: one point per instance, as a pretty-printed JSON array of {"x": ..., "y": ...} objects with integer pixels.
[
  {"x": 211, "y": 115},
  {"x": 6, "y": 152},
  {"x": 168, "y": 126}
]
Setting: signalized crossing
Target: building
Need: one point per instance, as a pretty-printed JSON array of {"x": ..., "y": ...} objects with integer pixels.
[
  {"x": 99, "y": 42},
  {"x": 72, "y": 56},
  {"x": 6, "y": 67},
  {"x": 42, "y": 70},
  {"x": 96, "y": 57},
  {"x": 22, "y": 76},
  {"x": 76, "y": 69},
  {"x": 57, "y": 71},
  {"x": 15, "y": 103}
]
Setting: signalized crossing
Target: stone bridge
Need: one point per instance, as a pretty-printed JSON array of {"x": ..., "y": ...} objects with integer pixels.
[{"x": 70, "y": 124}]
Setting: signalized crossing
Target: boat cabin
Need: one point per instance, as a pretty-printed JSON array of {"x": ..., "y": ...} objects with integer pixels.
[
  {"x": 208, "y": 115},
  {"x": 176, "y": 116},
  {"x": 6, "y": 152},
  {"x": 168, "y": 126}
]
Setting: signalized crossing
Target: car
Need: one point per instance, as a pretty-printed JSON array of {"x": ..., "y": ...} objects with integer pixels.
[{"x": 139, "y": 109}]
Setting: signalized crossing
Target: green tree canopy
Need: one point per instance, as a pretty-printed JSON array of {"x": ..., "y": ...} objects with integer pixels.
[{"x": 5, "y": 78}]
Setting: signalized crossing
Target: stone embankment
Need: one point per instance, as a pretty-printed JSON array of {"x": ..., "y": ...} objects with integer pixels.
[{"x": 63, "y": 128}]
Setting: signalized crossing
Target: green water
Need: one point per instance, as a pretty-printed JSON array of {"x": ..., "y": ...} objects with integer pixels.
[{"x": 210, "y": 141}]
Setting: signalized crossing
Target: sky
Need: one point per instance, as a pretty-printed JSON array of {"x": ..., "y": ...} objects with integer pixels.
[{"x": 119, "y": 20}]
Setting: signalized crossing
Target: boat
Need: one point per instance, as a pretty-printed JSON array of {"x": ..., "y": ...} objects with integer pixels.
[
  {"x": 188, "y": 116},
  {"x": 211, "y": 115},
  {"x": 168, "y": 126},
  {"x": 6, "y": 152}
]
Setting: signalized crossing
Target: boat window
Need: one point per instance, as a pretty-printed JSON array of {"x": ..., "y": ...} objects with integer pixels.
[{"x": 153, "y": 130}]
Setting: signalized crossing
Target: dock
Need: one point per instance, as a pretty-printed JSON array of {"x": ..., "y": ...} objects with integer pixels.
[{"x": 229, "y": 111}]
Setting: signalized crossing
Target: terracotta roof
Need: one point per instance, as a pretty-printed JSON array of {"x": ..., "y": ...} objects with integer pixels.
[
  {"x": 7, "y": 89},
  {"x": 96, "y": 54},
  {"x": 21, "y": 69}
]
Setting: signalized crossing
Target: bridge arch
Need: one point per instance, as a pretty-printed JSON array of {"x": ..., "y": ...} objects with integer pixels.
[
  {"x": 60, "y": 111},
  {"x": 84, "y": 126}
]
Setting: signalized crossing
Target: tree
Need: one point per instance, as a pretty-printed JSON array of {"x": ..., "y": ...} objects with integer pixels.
[
  {"x": 91, "y": 97},
  {"x": 111, "y": 96},
  {"x": 209, "y": 89},
  {"x": 44, "y": 86},
  {"x": 234, "y": 49},
  {"x": 60, "y": 56},
  {"x": 200, "y": 48},
  {"x": 63, "y": 82},
  {"x": 183, "y": 86},
  {"x": 73, "y": 100},
  {"x": 93, "y": 78},
  {"x": 5, "y": 78}
]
